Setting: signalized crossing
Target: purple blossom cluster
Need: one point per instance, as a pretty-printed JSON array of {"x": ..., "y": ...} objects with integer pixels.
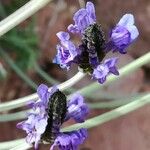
[
  {"x": 89, "y": 55},
  {"x": 35, "y": 125}
]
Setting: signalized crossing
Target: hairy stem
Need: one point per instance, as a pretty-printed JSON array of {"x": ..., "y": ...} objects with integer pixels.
[
  {"x": 96, "y": 105},
  {"x": 21, "y": 14},
  {"x": 84, "y": 91},
  {"x": 24, "y": 100}
]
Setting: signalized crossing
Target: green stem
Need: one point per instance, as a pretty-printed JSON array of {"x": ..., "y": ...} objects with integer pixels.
[
  {"x": 96, "y": 105},
  {"x": 48, "y": 78},
  {"x": 129, "y": 68},
  {"x": 44, "y": 74},
  {"x": 11, "y": 144},
  {"x": 88, "y": 89},
  {"x": 17, "y": 70},
  {"x": 33, "y": 97},
  {"x": 14, "y": 116},
  {"x": 21, "y": 14}
]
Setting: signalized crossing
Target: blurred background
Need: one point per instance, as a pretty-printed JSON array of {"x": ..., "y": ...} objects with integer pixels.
[{"x": 27, "y": 51}]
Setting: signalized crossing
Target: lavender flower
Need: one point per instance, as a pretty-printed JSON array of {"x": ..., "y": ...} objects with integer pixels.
[
  {"x": 49, "y": 112},
  {"x": 103, "y": 70},
  {"x": 70, "y": 140},
  {"x": 66, "y": 51},
  {"x": 123, "y": 34},
  {"x": 77, "y": 109},
  {"x": 91, "y": 52},
  {"x": 83, "y": 18}
]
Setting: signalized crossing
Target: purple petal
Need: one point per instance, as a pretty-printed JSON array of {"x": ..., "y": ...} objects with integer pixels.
[
  {"x": 134, "y": 32},
  {"x": 91, "y": 11},
  {"x": 66, "y": 51},
  {"x": 70, "y": 140},
  {"x": 41, "y": 125},
  {"x": 77, "y": 109},
  {"x": 103, "y": 70},
  {"x": 123, "y": 34},
  {"x": 73, "y": 28},
  {"x": 42, "y": 92},
  {"x": 63, "y": 36},
  {"x": 83, "y": 18},
  {"x": 126, "y": 20},
  {"x": 100, "y": 72}
]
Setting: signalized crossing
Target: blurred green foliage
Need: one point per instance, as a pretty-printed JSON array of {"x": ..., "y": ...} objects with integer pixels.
[{"x": 21, "y": 42}]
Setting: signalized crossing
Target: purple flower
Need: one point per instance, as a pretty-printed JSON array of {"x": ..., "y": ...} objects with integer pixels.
[
  {"x": 90, "y": 53},
  {"x": 83, "y": 18},
  {"x": 66, "y": 51},
  {"x": 70, "y": 140},
  {"x": 34, "y": 126},
  {"x": 123, "y": 34},
  {"x": 77, "y": 109},
  {"x": 49, "y": 112},
  {"x": 103, "y": 70}
]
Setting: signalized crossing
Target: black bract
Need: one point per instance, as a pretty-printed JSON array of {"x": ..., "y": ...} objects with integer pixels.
[{"x": 57, "y": 108}]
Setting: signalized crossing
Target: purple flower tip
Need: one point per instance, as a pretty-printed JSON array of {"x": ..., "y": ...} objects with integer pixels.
[
  {"x": 124, "y": 33},
  {"x": 77, "y": 109},
  {"x": 83, "y": 18},
  {"x": 44, "y": 94},
  {"x": 70, "y": 140},
  {"x": 66, "y": 51},
  {"x": 103, "y": 70}
]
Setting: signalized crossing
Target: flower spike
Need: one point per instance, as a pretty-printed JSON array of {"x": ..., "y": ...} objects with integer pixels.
[{"x": 49, "y": 113}]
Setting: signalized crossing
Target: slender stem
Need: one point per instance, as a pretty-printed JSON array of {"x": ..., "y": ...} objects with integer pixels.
[
  {"x": 21, "y": 14},
  {"x": 23, "y": 146},
  {"x": 72, "y": 81},
  {"x": 48, "y": 78},
  {"x": 14, "y": 116},
  {"x": 96, "y": 105},
  {"x": 118, "y": 112},
  {"x": 11, "y": 144},
  {"x": 129, "y": 68},
  {"x": 44, "y": 74},
  {"x": 85, "y": 91},
  {"x": 24, "y": 100},
  {"x": 17, "y": 69}
]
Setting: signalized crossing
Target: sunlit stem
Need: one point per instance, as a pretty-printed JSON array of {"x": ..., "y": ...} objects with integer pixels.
[
  {"x": 21, "y": 14},
  {"x": 86, "y": 90},
  {"x": 48, "y": 78},
  {"x": 96, "y": 105},
  {"x": 24, "y": 100}
]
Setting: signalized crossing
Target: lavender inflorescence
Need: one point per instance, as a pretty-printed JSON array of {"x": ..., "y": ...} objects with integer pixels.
[
  {"x": 90, "y": 54},
  {"x": 50, "y": 111}
]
